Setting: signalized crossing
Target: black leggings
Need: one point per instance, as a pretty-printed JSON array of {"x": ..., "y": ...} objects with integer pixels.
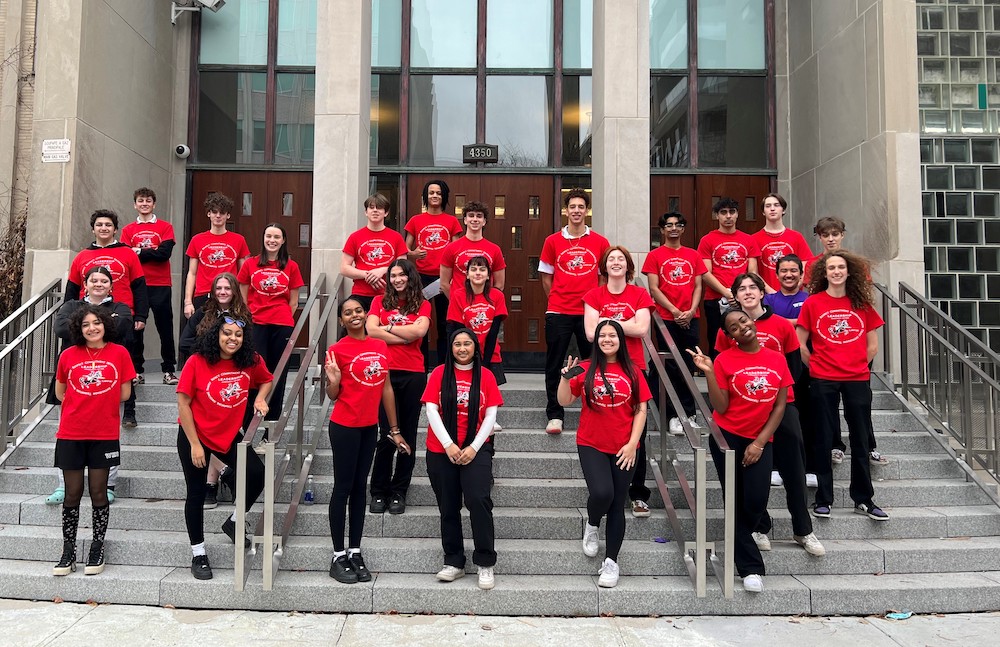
[
  {"x": 353, "y": 449},
  {"x": 608, "y": 488},
  {"x": 196, "y": 477},
  {"x": 408, "y": 386}
]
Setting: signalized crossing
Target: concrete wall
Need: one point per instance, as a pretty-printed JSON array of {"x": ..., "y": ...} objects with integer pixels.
[{"x": 848, "y": 132}]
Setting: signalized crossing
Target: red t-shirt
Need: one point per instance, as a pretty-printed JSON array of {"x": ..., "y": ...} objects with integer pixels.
[
  {"x": 402, "y": 357},
  {"x": 622, "y": 307},
  {"x": 730, "y": 255},
  {"x": 753, "y": 381},
  {"x": 773, "y": 332},
  {"x": 216, "y": 253},
  {"x": 93, "y": 382},
  {"x": 149, "y": 235},
  {"x": 219, "y": 396},
  {"x": 270, "y": 289},
  {"x": 121, "y": 261},
  {"x": 607, "y": 425},
  {"x": 773, "y": 247},
  {"x": 676, "y": 270},
  {"x": 432, "y": 232},
  {"x": 478, "y": 316},
  {"x": 574, "y": 264},
  {"x": 489, "y": 396},
  {"x": 372, "y": 250},
  {"x": 838, "y": 334},
  {"x": 458, "y": 253},
  {"x": 364, "y": 366}
]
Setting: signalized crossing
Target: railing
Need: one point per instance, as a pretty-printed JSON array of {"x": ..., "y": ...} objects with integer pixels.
[
  {"x": 297, "y": 456},
  {"x": 27, "y": 363},
  {"x": 697, "y": 553},
  {"x": 950, "y": 372}
]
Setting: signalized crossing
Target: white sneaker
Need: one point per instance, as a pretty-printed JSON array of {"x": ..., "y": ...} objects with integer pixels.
[
  {"x": 811, "y": 544},
  {"x": 753, "y": 583},
  {"x": 497, "y": 427},
  {"x": 486, "y": 580},
  {"x": 450, "y": 573},
  {"x": 836, "y": 456},
  {"x": 759, "y": 538},
  {"x": 608, "y": 573},
  {"x": 776, "y": 480},
  {"x": 640, "y": 509},
  {"x": 590, "y": 545},
  {"x": 554, "y": 426},
  {"x": 811, "y": 480},
  {"x": 693, "y": 421},
  {"x": 675, "y": 427}
]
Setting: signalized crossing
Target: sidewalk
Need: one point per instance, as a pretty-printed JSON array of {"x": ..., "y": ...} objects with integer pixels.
[{"x": 45, "y": 623}]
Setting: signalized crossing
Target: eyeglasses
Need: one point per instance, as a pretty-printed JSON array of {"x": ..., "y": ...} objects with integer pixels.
[
  {"x": 233, "y": 320},
  {"x": 673, "y": 225},
  {"x": 728, "y": 212}
]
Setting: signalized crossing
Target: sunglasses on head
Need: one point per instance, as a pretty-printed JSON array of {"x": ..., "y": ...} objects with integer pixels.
[{"x": 233, "y": 320}]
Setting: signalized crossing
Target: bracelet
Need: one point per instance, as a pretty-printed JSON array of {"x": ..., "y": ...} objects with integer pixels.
[
  {"x": 394, "y": 431},
  {"x": 757, "y": 446},
  {"x": 389, "y": 329}
]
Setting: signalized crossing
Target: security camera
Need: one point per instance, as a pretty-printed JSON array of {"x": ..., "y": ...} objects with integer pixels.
[
  {"x": 182, "y": 151},
  {"x": 212, "y": 5}
]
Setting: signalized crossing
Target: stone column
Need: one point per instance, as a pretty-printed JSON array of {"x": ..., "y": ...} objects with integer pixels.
[{"x": 621, "y": 122}]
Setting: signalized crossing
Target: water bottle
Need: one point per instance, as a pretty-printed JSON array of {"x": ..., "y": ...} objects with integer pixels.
[{"x": 308, "y": 498}]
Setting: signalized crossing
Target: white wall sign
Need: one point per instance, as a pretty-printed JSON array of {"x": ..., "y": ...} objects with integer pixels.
[{"x": 55, "y": 150}]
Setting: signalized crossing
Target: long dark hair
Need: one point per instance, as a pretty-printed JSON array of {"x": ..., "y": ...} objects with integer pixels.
[
  {"x": 76, "y": 323},
  {"x": 413, "y": 296},
  {"x": 445, "y": 192},
  {"x": 481, "y": 261},
  {"x": 207, "y": 345},
  {"x": 281, "y": 260},
  {"x": 212, "y": 308},
  {"x": 599, "y": 363},
  {"x": 449, "y": 390}
]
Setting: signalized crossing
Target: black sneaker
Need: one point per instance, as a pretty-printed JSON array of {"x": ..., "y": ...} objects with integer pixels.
[
  {"x": 227, "y": 484},
  {"x": 358, "y": 562},
  {"x": 397, "y": 505},
  {"x": 200, "y": 568},
  {"x": 871, "y": 511},
  {"x": 67, "y": 563},
  {"x": 95, "y": 563},
  {"x": 342, "y": 570},
  {"x": 377, "y": 506},
  {"x": 129, "y": 421},
  {"x": 139, "y": 379},
  {"x": 229, "y": 527},
  {"x": 211, "y": 496},
  {"x": 821, "y": 511}
]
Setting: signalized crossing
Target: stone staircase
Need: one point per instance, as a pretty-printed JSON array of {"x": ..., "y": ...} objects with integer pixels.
[{"x": 940, "y": 552}]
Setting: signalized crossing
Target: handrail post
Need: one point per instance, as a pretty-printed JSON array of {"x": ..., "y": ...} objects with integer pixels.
[
  {"x": 730, "y": 530},
  {"x": 268, "y": 539},
  {"x": 700, "y": 521},
  {"x": 239, "y": 561}
]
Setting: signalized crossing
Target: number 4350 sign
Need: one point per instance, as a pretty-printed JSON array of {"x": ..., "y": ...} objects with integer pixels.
[{"x": 472, "y": 153}]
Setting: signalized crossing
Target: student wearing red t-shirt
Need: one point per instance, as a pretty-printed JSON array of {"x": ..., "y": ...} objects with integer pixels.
[
  {"x": 481, "y": 308},
  {"x": 748, "y": 388},
  {"x": 455, "y": 257},
  {"x": 92, "y": 377},
  {"x": 462, "y": 401},
  {"x": 357, "y": 372},
  {"x": 152, "y": 240},
  {"x": 568, "y": 268},
  {"x": 427, "y": 234},
  {"x": 400, "y": 318},
  {"x": 211, "y": 397},
  {"x": 612, "y": 421},
  {"x": 212, "y": 252},
  {"x": 369, "y": 251},
  {"x": 777, "y": 241},
  {"x": 840, "y": 321},
  {"x": 726, "y": 252},
  {"x": 270, "y": 284}
]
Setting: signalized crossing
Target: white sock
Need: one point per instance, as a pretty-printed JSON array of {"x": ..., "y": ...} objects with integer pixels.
[
  {"x": 198, "y": 549},
  {"x": 339, "y": 553},
  {"x": 353, "y": 551},
  {"x": 591, "y": 528},
  {"x": 232, "y": 517}
]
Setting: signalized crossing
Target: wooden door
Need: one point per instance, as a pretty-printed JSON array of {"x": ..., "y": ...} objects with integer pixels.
[
  {"x": 747, "y": 190},
  {"x": 672, "y": 193}
]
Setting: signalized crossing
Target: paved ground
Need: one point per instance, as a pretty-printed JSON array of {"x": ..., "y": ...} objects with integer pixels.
[{"x": 46, "y": 623}]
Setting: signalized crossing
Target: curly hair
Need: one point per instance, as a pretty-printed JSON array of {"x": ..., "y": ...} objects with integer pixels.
[
  {"x": 859, "y": 283},
  {"x": 599, "y": 363},
  {"x": 576, "y": 192},
  {"x": 105, "y": 316},
  {"x": 207, "y": 345},
  {"x": 219, "y": 202},
  {"x": 412, "y": 297},
  {"x": 212, "y": 308},
  {"x": 104, "y": 213},
  {"x": 476, "y": 207}
]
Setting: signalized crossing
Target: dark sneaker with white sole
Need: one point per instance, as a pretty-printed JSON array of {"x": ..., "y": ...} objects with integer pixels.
[{"x": 871, "y": 511}]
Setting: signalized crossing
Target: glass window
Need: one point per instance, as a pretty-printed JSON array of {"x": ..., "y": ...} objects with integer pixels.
[
  {"x": 442, "y": 118},
  {"x": 231, "y": 117},
  {"x": 735, "y": 138},
  {"x": 578, "y": 34},
  {"x": 294, "y": 111},
  {"x": 519, "y": 34},
  {"x": 731, "y": 34},
  {"x": 297, "y": 32},
  {"x": 387, "y": 30},
  {"x": 577, "y": 120},
  {"x": 443, "y": 33},
  {"x": 670, "y": 145},
  {"x": 518, "y": 118},
  {"x": 236, "y": 36},
  {"x": 668, "y": 34},
  {"x": 383, "y": 134}
]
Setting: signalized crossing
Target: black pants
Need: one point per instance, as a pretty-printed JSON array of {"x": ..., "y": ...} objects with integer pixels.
[
  {"x": 440, "y": 307},
  {"x": 269, "y": 341},
  {"x": 685, "y": 338},
  {"x": 472, "y": 483},
  {"x": 196, "y": 477},
  {"x": 559, "y": 331},
  {"x": 163, "y": 314},
  {"x": 353, "y": 448},
  {"x": 826, "y": 395},
  {"x": 607, "y": 488},
  {"x": 753, "y": 487},
  {"x": 407, "y": 386},
  {"x": 789, "y": 460},
  {"x": 713, "y": 324}
]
